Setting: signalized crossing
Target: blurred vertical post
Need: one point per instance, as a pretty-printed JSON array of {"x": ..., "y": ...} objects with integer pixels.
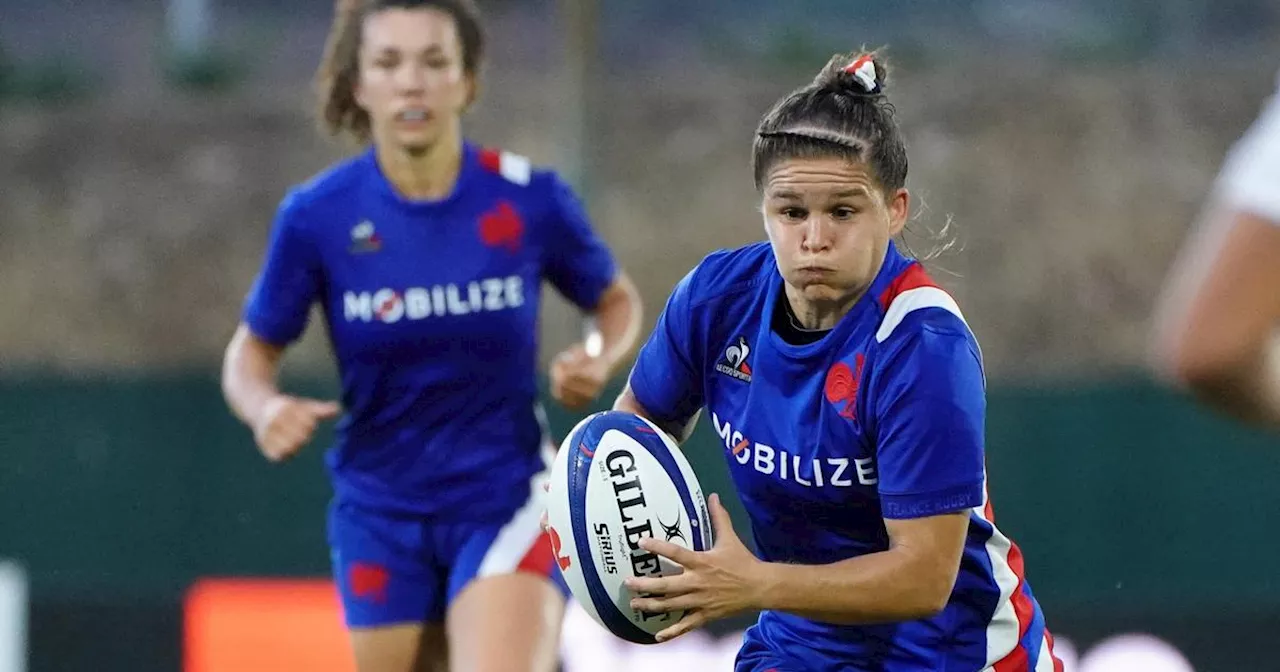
[
  {"x": 581, "y": 20},
  {"x": 581, "y": 23},
  {"x": 13, "y": 618},
  {"x": 578, "y": 132},
  {"x": 189, "y": 26}
]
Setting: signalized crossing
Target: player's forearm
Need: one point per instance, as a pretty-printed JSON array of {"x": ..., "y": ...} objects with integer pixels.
[
  {"x": 627, "y": 402},
  {"x": 1248, "y": 389},
  {"x": 618, "y": 318},
  {"x": 1216, "y": 321},
  {"x": 680, "y": 433},
  {"x": 249, "y": 370},
  {"x": 876, "y": 588}
]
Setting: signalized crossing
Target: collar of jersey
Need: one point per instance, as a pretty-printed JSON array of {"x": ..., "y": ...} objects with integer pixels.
[
  {"x": 866, "y": 308},
  {"x": 470, "y": 161}
]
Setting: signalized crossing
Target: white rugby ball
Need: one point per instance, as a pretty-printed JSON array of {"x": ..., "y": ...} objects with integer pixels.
[{"x": 616, "y": 479}]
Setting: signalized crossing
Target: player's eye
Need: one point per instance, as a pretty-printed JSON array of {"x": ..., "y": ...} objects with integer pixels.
[
  {"x": 844, "y": 212},
  {"x": 438, "y": 62},
  {"x": 793, "y": 213},
  {"x": 387, "y": 62}
]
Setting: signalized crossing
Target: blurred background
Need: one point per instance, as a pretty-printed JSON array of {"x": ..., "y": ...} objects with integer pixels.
[{"x": 144, "y": 146}]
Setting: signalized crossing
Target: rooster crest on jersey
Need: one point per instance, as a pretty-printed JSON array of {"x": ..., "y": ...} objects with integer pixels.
[
  {"x": 502, "y": 227},
  {"x": 734, "y": 363},
  {"x": 364, "y": 238},
  {"x": 841, "y": 388}
]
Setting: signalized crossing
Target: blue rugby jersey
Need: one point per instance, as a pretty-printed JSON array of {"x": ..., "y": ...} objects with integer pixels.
[
  {"x": 883, "y": 417},
  {"x": 432, "y": 312}
]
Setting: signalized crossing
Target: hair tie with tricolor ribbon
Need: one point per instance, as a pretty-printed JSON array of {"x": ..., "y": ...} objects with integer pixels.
[{"x": 864, "y": 71}]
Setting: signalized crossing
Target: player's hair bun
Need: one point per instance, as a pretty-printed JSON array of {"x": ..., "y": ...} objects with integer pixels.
[{"x": 862, "y": 73}]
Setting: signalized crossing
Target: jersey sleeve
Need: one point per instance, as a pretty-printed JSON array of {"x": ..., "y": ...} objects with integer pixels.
[
  {"x": 666, "y": 378},
  {"x": 930, "y": 408},
  {"x": 289, "y": 282},
  {"x": 1250, "y": 178},
  {"x": 577, "y": 263}
]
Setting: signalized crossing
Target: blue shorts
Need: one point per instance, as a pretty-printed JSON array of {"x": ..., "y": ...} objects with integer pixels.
[
  {"x": 763, "y": 663},
  {"x": 757, "y": 656},
  {"x": 398, "y": 568}
]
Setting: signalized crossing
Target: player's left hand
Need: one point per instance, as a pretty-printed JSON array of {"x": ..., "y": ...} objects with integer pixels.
[
  {"x": 717, "y": 583},
  {"x": 578, "y": 378}
]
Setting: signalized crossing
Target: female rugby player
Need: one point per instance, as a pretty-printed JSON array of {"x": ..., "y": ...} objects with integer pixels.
[
  {"x": 849, "y": 395},
  {"x": 426, "y": 254}
]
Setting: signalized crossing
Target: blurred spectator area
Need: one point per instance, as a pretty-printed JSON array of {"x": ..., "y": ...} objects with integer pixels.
[{"x": 1068, "y": 144}]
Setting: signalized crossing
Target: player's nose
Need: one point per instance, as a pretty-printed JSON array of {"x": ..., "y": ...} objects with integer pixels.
[
  {"x": 411, "y": 79},
  {"x": 817, "y": 235}
]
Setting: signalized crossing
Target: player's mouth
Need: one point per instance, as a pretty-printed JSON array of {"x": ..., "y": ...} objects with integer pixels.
[
  {"x": 815, "y": 271},
  {"x": 413, "y": 117}
]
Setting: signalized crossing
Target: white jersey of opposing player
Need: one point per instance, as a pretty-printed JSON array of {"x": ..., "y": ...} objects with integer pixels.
[{"x": 1250, "y": 178}]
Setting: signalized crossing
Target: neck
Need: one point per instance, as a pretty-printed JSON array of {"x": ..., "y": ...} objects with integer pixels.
[
  {"x": 818, "y": 315},
  {"x": 426, "y": 175}
]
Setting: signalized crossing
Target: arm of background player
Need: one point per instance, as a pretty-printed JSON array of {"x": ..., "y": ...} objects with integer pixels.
[
  {"x": 249, "y": 370},
  {"x": 275, "y": 315},
  {"x": 582, "y": 268},
  {"x": 928, "y": 401},
  {"x": 281, "y": 424},
  {"x": 617, "y": 316},
  {"x": 911, "y": 580},
  {"x": 1216, "y": 324}
]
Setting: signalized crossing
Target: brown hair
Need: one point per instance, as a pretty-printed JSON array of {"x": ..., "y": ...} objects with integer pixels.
[
  {"x": 843, "y": 113},
  {"x": 336, "y": 77}
]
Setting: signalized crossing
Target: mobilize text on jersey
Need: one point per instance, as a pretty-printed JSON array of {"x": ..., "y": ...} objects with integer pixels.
[
  {"x": 816, "y": 472},
  {"x": 416, "y": 303}
]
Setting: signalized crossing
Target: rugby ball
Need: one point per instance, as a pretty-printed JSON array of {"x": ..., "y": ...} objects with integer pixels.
[{"x": 616, "y": 479}]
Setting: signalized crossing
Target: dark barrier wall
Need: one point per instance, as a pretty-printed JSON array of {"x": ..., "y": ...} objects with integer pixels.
[{"x": 1134, "y": 511}]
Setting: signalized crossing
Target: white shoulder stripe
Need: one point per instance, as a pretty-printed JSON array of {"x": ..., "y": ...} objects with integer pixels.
[
  {"x": 912, "y": 300},
  {"x": 515, "y": 168}
]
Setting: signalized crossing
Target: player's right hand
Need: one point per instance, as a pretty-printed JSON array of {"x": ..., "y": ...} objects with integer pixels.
[{"x": 287, "y": 424}]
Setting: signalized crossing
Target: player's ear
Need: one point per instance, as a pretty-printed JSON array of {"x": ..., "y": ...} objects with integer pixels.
[
  {"x": 473, "y": 90},
  {"x": 764, "y": 217},
  {"x": 358, "y": 94},
  {"x": 899, "y": 206}
]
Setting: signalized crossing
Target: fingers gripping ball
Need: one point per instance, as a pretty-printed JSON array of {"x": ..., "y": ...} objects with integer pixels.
[{"x": 616, "y": 480}]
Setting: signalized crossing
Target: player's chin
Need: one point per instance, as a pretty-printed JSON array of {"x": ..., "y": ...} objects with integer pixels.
[
  {"x": 822, "y": 293},
  {"x": 415, "y": 148},
  {"x": 416, "y": 143},
  {"x": 574, "y": 402}
]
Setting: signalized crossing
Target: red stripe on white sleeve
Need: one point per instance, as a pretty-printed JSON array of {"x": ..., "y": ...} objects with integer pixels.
[{"x": 912, "y": 277}]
